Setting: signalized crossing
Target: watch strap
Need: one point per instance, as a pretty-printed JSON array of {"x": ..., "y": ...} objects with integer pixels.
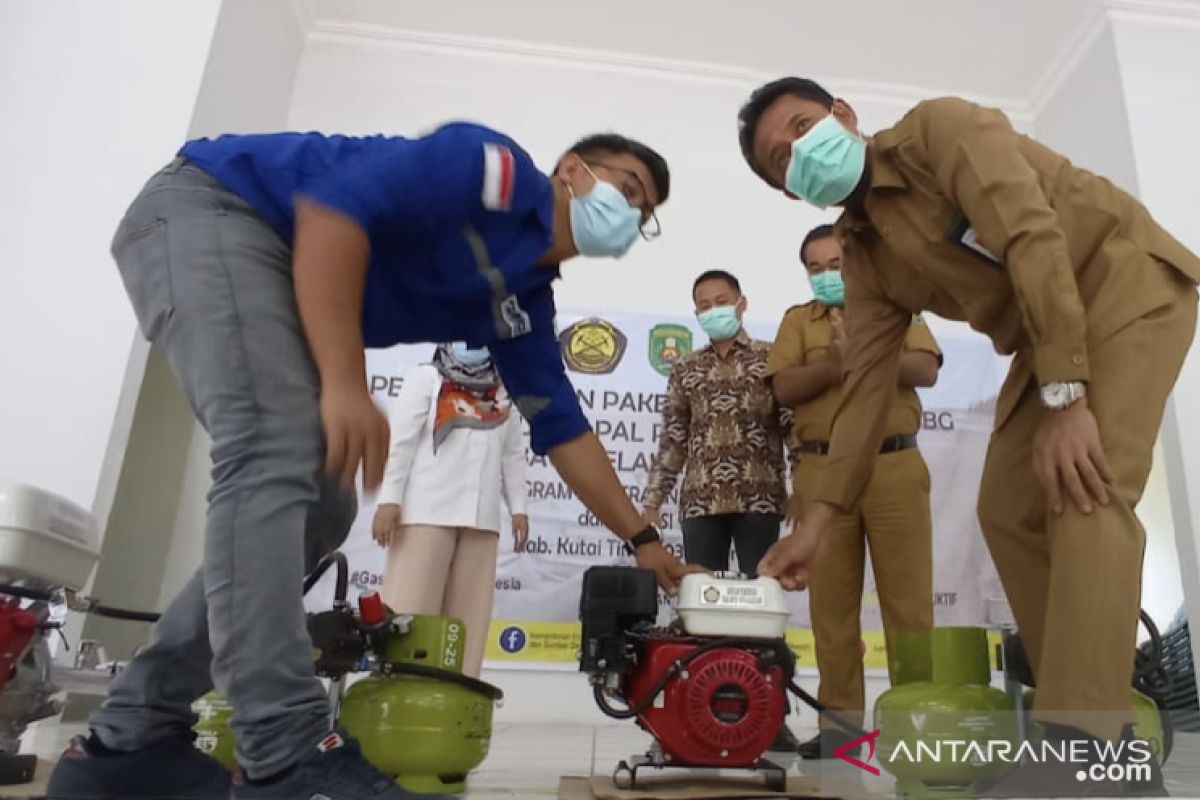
[{"x": 647, "y": 535}]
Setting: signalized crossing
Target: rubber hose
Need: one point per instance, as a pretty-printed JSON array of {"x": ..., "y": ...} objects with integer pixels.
[
  {"x": 343, "y": 575},
  {"x": 99, "y": 609},
  {"x": 474, "y": 684},
  {"x": 816, "y": 705}
]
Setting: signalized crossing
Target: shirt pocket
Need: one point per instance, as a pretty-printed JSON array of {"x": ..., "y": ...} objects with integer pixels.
[{"x": 817, "y": 339}]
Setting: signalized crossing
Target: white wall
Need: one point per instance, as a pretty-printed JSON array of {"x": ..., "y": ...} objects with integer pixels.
[
  {"x": 144, "y": 76},
  {"x": 95, "y": 97},
  {"x": 247, "y": 85},
  {"x": 1160, "y": 62},
  {"x": 1083, "y": 115}
]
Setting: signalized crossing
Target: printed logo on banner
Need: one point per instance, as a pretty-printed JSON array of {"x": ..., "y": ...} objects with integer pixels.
[
  {"x": 668, "y": 344},
  {"x": 592, "y": 346},
  {"x": 512, "y": 639}
]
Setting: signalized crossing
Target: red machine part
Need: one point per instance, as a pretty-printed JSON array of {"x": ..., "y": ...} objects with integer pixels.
[
  {"x": 726, "y": 712},
  {"x": 370, "y": 608},
  {"x": 17, "y": 629}
]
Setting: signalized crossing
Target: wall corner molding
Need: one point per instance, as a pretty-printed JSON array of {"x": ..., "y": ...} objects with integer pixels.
[
  {"x": 304, "y": 15},
  {"x": 1093, "y": 26},
  {"x": 1179, "y": 13},
  {"x": 703, "y": 72}
]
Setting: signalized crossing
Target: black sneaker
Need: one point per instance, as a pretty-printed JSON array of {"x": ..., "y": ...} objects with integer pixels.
[
  {"x": 172, "y": 769},
  {"x": 334, "y": 770},
  {"x": 824, "y": 743},
  {"x": 785, "y": 742}
]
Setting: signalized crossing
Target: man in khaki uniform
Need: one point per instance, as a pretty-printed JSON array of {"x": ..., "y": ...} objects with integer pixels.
[
  {"x": 892, "y": 517},
  {"x": 954, "y": 212}
]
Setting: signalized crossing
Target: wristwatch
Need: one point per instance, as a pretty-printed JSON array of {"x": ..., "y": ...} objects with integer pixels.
[
  {"x": 1059, "y": 396},
  {"x": 647, "y": 535}
]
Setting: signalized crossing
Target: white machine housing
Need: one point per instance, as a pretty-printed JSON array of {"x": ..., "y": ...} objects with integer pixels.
[
  {"x": 730, "y": 604},
  {"x": 45, "y": 539}
]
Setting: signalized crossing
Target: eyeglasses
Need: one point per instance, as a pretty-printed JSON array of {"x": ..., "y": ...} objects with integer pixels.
[{"x": 632, "y": 187}]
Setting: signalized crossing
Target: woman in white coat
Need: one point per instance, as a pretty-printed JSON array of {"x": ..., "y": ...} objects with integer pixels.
[{"x": 457, "y": 448}]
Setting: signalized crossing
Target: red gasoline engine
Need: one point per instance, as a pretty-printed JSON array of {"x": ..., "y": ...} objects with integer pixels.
[{"x": 710, "y": 699}]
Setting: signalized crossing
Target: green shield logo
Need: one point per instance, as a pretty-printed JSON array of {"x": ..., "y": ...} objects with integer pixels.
[{"x": 668, "y": 344}]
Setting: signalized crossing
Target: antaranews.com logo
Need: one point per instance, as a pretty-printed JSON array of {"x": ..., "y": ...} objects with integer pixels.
[{"x": 1124, "y": 761}]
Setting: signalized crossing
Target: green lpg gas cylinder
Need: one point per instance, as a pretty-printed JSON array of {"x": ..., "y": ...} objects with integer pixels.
[
  {"x": 947, "y": 735},
  {"x": 213, "y": 735},
  {"x": 428, "y": 732},
  {"x": 430, "y": 642},
  {"x": 1148, "y": 724}
]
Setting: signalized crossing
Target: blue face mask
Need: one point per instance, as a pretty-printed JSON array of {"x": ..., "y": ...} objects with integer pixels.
[
  {"x": 603, "y": 223},
  {"x": 468, "y": 357},
  {"x": 720, "y": 323},
  {"x": 827, "y": 288},
  {"x": 827, "y": 164}
]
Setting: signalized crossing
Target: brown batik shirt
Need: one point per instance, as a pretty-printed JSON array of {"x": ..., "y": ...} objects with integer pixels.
[{"x": 722, "y": 426}]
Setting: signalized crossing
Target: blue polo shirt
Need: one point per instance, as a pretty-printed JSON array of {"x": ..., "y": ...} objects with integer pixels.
[{"x": 456, "y": 219}]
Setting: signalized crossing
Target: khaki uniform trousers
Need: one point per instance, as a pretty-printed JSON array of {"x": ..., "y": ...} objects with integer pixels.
[
  {"x": 893, "y": 520},
  {"x": 1074, "y": 581}
]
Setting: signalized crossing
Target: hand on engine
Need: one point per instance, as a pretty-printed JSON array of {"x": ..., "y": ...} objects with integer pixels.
[
  {"x": 667, "y": 568},
  {"x": 791, "y": 558}
]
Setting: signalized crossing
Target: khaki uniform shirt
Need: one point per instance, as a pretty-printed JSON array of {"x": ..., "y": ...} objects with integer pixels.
[
  {"x": 722, "y": 424},
  {"x": 968, "y": 219},
  {"x": 804, "y": 337}
]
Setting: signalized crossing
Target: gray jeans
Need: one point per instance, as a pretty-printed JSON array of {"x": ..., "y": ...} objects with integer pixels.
[{"x": 211, "y": 285}]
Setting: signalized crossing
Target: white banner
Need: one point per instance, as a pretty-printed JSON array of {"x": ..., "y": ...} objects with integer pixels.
[{"x": 619, "y": 366}]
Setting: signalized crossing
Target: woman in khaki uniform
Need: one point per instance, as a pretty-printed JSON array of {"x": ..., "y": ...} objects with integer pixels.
[{"x": 954, "y": 212}]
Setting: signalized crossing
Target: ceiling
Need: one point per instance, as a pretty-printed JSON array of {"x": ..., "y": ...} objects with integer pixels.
[{"x": 993, "y": 49}]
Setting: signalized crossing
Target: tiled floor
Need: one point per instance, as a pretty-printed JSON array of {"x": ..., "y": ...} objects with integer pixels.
[{"x": 526, "y": 761}]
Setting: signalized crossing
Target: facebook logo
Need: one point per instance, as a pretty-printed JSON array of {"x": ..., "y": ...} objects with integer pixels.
[{"x": 512, "y": 640}]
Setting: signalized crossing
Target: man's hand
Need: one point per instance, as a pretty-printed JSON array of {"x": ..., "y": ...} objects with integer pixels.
[
  {"x": 837, "y": 324},
  {"x": 652, "y": 516},
  {"x": 667, "y": 567},
  {"x": 520, "y": 529},
  {"x": 386, "y": 523},
  {"x": 791, "y": 558},
  {"x": 356, "y": 432},
  {"x": 837, "y": 345},
  {"x": 1068, "y": 456}
]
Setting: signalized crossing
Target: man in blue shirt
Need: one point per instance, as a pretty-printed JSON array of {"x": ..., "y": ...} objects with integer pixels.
[{"x": 262, "y": 266}]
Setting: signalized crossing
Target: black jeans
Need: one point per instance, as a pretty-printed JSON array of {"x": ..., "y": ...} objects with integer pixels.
[{"x": 706, "y": 540}]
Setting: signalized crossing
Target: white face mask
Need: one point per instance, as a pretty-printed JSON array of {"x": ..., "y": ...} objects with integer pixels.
[
  {"x": 603, "y": 223},
  {"x": 467, "y": 356}
]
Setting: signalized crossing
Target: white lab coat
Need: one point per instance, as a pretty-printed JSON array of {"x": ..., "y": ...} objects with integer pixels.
[{"x": 460, "y": 486}]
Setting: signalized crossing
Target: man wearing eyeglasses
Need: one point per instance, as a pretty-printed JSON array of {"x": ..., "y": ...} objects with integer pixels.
[{"x": 263, "y": 266}]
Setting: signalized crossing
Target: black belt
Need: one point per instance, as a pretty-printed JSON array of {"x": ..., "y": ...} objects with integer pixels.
[{"x": 892, "y": 444}]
